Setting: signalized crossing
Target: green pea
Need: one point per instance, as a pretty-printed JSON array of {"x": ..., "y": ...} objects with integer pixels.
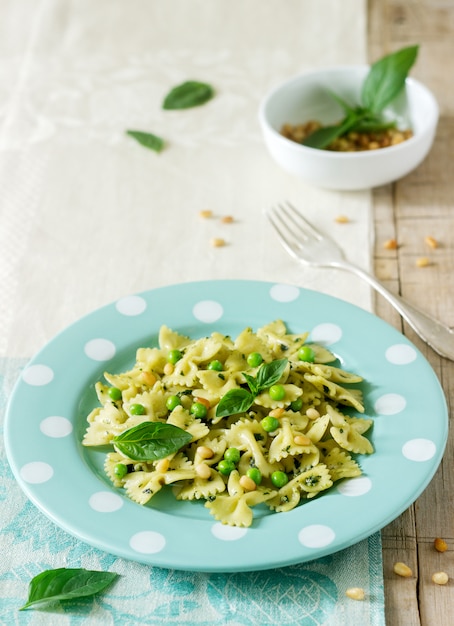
[
  {"x": 137, "y": 409},
  {"x": 114, "y": 393},
  {"x": 305, "y": 353},
  {"x": 225, "y": 467},
  {"x": 254, "y": 359},
  {"x": 297, "y": 404},
  {"x": 120, "y": 470},
  {"x": 233, "y": 455},
  {"x": 269, "y": 424},
  {"x": 279, "y": 479},
  {"x": 198, "y": 409},
  {"x": 255, "y": 474},
  {"x": 172, "y": 402},
  {"x": 215, "y": 365},
  {"x": 277, "y": 392},
  {"x": 174, "y": 356}
]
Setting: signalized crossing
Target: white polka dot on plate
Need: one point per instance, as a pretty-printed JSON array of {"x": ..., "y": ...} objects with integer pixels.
[
  {"x": 38, "y": 375},
  {"x": 419, "y": 450},
  {"x": 147, "y": 542},
  {"x": 400, "y": 354},
  {"x": 36, "y": 472},
  {"x": 100, "y": 349},
  {"x": 326, "y": 333},
  {"x": 390, "y": 404},
  {"x": 355, "y": 486},
  {"x": 208, "y": 311},
  {"x": 131, "y": 305},
  {"x": 56, "y": 426},
  {"x": 105, "y": 502},
  {"x": 228, "y": 533},
  {"x": 316, "y": 536},
  {"x": 284, "y": 293}
]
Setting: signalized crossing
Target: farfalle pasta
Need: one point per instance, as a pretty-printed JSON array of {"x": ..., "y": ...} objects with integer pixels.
[{"x": 268, "y": 419}]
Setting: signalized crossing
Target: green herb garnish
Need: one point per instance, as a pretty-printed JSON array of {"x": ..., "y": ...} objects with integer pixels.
[
  {"x": 384, "y": 81},
  {"x": 240, "y": 400},
  {"x": 151, "y": 441},
  {"x": 66, "y": 584},
  {"x": 189, "y": 94},
  {"x": 150, "y": 141}
]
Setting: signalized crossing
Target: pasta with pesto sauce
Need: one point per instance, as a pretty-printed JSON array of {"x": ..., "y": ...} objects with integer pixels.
[{"x": 294, "y": 440}]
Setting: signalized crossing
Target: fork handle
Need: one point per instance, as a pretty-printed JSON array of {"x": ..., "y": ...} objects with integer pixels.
[{"x": 437, "y": 335}]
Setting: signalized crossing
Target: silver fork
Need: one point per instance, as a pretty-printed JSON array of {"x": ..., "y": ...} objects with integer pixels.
[{"x": 309, "y": 246}]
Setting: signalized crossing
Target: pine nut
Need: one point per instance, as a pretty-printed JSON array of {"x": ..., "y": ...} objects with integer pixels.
[
  {"x": 148, "y": 378},
  {"x": 217, "y": 242},
  {"x": 168, "y": 369},
  {"x": 390, "y": 244},
  {"x": 162, "y": 465},
  {"x": 227, "y": 219},
  {"x": 276, "y": 413},
  {"x": 312, "y": 413},
  {"x": 203, "y": 471},
  {"x": 247, "y": 483},
  {"x": 302, "y": 440},
  {"x": 355, "y": 593},
  {"x": 431, "y": 242},
  {"x": 440, "y": 578},
  {"x": 402, "y": 570},
  {"x": 440, "y": 545},
  {"x": 206, "y": 214},
  {"x": 203, "y": 401},
  {"x": 205, "y": 452},
  {"x": 423, "y": 261},
  {"x": 342, "y": 219}
]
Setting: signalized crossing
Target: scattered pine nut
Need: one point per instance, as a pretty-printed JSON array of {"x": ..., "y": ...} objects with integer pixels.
[
  {"x": 402, "y": 570},
  {"x": 203, "y": 471},
  {"x": 312, "y": 413},
  {"x": 276, "y": 413},
  {"x": 440, "y": 545},
  {"x": 247, "y": 483},
  {"x": 342, "y": 219},
  {"x": 227, "y": 219},
  {"x": 355, "y": 593},
  {"x": 217, "y": 242},
  {"x": 390, "y": 244},
  {"x": 205, "y": 452},
  {"x": 302, "y": 440},
  {"x": 440, "y": 578},
  {"x": 162, "y": 465},
  {"x": 168, "y": 369},
  {"x": 422, "y": 261},
  {"x": 206, "y": 214},
  {"x": 431, "y": 242}
]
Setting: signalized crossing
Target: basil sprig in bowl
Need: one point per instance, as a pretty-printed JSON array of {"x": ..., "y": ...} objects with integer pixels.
[{"x": 351, "y": 98}]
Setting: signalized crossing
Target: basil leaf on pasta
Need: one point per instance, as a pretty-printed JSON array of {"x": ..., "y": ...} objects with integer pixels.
[{"x": 151, "y": 441}]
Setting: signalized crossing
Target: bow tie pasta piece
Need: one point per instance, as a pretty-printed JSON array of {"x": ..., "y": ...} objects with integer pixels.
[
  {"x": 305, "y": 485},
  {"x": 346, "y": 435},
  {"x": 340, "y": 464},
  {"x": 200, "y": 488},
  {"x": 242, "y": 435},
  {"x": 248, "y": 342},
  {"x": 234, "y": 508},
  {"x": 283, "y": 444},
  {"x": 183, "y": 419}
]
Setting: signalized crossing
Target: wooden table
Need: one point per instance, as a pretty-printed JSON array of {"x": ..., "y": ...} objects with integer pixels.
[{"x": 421, "y": 205}]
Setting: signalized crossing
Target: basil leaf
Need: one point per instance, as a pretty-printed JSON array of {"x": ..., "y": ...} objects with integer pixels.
[
  {"x": 322, "y": 137},
  {"x": 189, "y": 94},
  {"x": 270, "y": 373},
  {"x": 252, "y": 383},
  {"x": 153, "y": 142},
  {"x": 386, "y": 78},
  {"x": 66, "y": 584},
  {"x": 235, "y": 401},
  {"x": 150, "y": 441}
]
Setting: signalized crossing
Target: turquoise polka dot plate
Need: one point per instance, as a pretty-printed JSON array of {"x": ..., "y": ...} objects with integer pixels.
[{"x": 46, "y": 420}]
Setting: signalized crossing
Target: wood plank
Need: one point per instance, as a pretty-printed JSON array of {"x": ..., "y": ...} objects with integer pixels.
[{"x": 421, "y": 204}]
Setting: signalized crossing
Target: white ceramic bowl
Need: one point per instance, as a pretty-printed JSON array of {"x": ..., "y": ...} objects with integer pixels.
[{"x": 307, "y": 97}]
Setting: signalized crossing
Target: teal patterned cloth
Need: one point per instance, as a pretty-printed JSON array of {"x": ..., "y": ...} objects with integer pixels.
[{"x": 310, "y": 594}]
